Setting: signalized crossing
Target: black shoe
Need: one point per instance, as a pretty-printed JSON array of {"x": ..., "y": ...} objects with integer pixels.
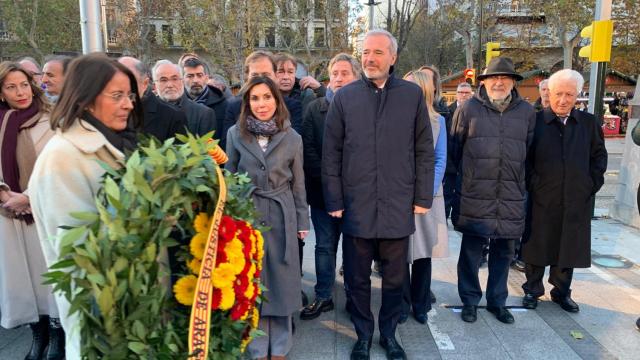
[
  {"x": 55, "y": 351},
  {"x": 403, "y": 318},
  {"x": 341, "y": 271},
  {"x": 305, "y": 299},
  {"x": 469, "y": 313},
  {"x": 316, "y": 308},
  {"x": 422, "y": 318},
  {"x": 529, "y": 301},
  {"x": 638, "y": 324},
  {"x": 433, "y": 297},
  {"x": 40, "y": 333},
  {"x": 393, "y": 349},
  {"x": 360, "y": 350},
  {"x": 518, "y": 265},
  {"x": 502, "y": 314},
  {"x": 565, "y": 302}
]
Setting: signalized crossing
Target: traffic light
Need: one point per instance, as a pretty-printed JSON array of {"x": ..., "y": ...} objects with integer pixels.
[
  {"x": 470, "y": 76},
  {"x": 600, "y": 33},
  {"x": 493, "y": 50}
]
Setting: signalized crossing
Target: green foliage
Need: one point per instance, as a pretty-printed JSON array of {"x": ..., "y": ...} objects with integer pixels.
[{"x": 114, "y": 270}]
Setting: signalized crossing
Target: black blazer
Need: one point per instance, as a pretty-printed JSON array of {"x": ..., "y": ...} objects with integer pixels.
[{"x": 161, "y": 120}]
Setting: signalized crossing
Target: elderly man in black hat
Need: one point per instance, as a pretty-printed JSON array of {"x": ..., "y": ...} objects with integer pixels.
[{"x": 491, "y": 133}]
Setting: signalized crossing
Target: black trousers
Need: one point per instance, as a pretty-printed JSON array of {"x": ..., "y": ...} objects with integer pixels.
[
  {"x": 358, "y": 255},
  {"x": 448, "y": 192},
  {"x": 500, "y": 256},
  {"x": 417, "y": 286},
  {"x": 559, "y": 277}
]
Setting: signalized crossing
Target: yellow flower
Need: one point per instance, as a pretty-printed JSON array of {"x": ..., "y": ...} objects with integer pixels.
[
  {"x": 202, "y": 223},
  {"x": 235, "y": 256},
  {"x": 227, "y": 299},
  {"x": 223, "y": 276},
  {"x": 255, "y": 318},
  {"x": 198, "y": 245},
  {"x": 185, "y": 289},
  {"x": 259, "y": 248},
  {"x": 194, "y": 265}
]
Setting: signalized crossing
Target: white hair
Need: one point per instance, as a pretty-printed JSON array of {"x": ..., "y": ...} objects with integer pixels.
[
  {"x": 566, "y": 75},
  {"x": 464, "y": 85},
  {"x": 160, "y": 63},
  {"x": 543, "y": 83},
  {"x": 378, "y": 32}
]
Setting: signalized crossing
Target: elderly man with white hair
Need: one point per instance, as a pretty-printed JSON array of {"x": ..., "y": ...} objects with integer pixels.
[
  {"x": 566, "y": 165},
  {"x": 167, "y": 77},
  {"x": 543, "y": 100}
]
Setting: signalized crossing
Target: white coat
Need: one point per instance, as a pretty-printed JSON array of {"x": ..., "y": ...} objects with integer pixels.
[
  {"x": 66, "y": 179},
  {"x": 22, "y": 296}
]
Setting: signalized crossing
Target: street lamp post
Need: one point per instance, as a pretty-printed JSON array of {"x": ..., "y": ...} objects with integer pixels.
[
  {"x": 90, "y": 19},
  {"x": 371, "y": 4}
]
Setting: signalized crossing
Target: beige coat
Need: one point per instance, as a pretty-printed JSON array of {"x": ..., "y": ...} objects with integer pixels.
[
  {"x": 66, "y": 179},
  {"x": 22, "y": 296}
]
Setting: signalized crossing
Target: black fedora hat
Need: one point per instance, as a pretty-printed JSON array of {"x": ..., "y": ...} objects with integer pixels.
[{"x": 500, "y": 66}]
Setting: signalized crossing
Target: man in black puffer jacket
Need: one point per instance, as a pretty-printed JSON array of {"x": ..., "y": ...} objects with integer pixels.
[{"x": 491, "y": 134}]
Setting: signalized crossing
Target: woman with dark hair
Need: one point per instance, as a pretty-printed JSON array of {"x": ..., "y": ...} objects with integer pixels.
[
  {"x": 92, "y": 123},
  {"x": 264, "y": 145},
  {"x": 24, "y": 131}
]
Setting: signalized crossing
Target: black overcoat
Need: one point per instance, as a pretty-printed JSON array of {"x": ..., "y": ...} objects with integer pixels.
[
  {"x": 160, "y": 119},
  {"x": 378, "y": 158},
  {"x": 489, "y": 149},
  {"x": 566, "y": 166},
  {"x": 312, "y": 135}
]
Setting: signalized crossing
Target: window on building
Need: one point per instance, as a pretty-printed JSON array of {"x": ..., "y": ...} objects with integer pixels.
[
  {"x": 318, "y": 37},
  {"x": 270, "y": 37},
  {"x": 167, "y": 34},
  {"x": 150, "y": 31},
  {"x": 319, "y": 8},
  {"x": 515, "y": 6}
]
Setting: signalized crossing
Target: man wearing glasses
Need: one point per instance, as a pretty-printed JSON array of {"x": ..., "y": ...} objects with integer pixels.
[{"x": 169, "y": 87}]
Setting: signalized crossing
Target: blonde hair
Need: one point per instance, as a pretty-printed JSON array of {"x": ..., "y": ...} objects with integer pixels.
[{"x": 425, "y": 82}]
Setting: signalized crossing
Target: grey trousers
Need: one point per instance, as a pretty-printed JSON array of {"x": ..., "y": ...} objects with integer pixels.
[{"x": 278, "y": 337}]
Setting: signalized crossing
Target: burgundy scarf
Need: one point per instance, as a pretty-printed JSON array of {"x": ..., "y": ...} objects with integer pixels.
[{"x": 9, "y": 160}]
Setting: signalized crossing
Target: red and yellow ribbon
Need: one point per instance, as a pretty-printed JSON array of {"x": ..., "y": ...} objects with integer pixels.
[{"x": 200, "y": 322}]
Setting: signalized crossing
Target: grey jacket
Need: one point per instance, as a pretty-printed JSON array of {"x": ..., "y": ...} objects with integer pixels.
[{"x": 279, "y": 197}]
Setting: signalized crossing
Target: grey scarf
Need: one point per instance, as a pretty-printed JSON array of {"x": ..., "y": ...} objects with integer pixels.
[{"x": 259, "y": 127}]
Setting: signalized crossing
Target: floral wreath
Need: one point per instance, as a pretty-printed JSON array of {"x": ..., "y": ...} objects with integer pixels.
[{"x": 114, "y": 269}]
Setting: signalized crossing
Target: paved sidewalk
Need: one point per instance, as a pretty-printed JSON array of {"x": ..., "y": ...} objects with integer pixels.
[{"x": 609, "y": 301}]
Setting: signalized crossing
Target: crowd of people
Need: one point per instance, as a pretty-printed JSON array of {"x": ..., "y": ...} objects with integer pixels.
[{"x": 375, "y": 159}]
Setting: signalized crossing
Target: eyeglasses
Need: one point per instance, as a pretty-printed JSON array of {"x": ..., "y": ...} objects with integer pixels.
[
  {"x": 465, "y": 92},
  {"x": 164, "y": 80},
  {"x": 118, "y": 97}
]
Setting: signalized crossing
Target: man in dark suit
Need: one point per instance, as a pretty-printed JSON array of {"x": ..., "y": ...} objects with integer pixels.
[
  {"x": 196, "y": 78},
  {"x": 166, "y": 76},
  {"x": 160, "y": 120},
  {"x": 377, "y": 171}
]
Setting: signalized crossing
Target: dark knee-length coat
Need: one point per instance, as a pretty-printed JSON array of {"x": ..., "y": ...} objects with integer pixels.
[
  {"x": 280, "y": 199},
  {"x": 566, "y": 166}
]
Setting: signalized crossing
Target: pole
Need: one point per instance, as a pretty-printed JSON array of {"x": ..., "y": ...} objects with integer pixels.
[
  {"x": 479, "y": 66},
  {"x": 597, "y": 78},
  {"x": 371, "y": 4},
  {"x": 90, "y": 16},
  {"x": 598, "y": 69}
]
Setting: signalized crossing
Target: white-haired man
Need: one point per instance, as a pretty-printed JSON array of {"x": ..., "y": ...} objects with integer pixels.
[
  {"x": 168, "y": 80},
  {"x": 543, "y": 100},
  {"x": 566, "y": 165}
]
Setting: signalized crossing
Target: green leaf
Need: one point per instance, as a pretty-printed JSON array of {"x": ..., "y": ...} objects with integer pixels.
[
  {"x": 69, "y": 237},
  {"x": 111, "y": 188},
  {"x": 87, "y": 216},
  {"x": 137, "y": 347}
]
